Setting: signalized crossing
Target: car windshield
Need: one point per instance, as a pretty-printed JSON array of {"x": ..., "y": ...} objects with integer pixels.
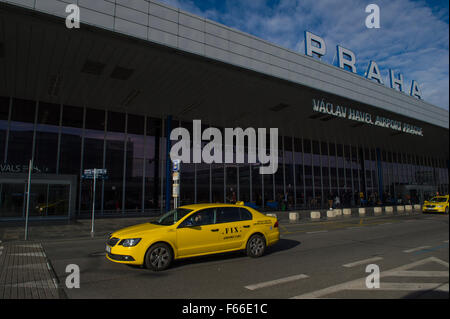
[
  {"x": 172, "y": 216},
  {"x": 438, "y": 200}
]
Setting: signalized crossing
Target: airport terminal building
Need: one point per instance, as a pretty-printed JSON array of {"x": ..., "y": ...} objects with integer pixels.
[{"x": 108, "y": 94}]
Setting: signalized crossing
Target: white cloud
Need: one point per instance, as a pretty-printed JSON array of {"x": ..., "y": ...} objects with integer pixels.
[{"x": 413, "y": 38}]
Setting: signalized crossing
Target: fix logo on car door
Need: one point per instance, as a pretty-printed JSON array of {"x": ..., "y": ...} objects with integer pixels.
[{"x": 235, "y": 225}]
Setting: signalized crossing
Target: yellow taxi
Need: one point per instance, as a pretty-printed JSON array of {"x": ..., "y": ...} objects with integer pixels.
[
  {"x": 193, "y": 230},
  {"x": 437, "y": 204}
]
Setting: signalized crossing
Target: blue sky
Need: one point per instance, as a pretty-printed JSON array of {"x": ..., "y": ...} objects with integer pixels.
[{"x": 413, "y": 38}]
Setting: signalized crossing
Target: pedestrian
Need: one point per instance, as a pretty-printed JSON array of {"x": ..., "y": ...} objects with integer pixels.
[
  {"x": 330, "y": 200},
  {"x": 337, "y": 201}
]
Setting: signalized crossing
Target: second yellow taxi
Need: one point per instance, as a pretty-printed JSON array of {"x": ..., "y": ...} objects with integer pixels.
[
  {"x": 437, "y": 204},
  {"x": 193, "y": 230}
]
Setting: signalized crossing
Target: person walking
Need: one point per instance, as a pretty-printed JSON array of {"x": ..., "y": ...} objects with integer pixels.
[
  {"x": 337, "y": 201},
  {"x": 330, "y": 201}
]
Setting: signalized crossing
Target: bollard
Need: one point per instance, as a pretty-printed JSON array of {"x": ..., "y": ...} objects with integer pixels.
[
  {"x": 294, "y": 216},
  {"x": 408, "y": 207},
  {"x": 362, "y": 211},
  {"x": 417, "y": 207},
  {"x": 389, "y": 209},
  {"x": 330, "y": 214},
  {"x": 315, "y": 215},
  {"x": 377, "y": 210},
  {"x": 400, "y": 208},
  {"x": 338, "y": 212},
  {"x": 347, "y": 211}
]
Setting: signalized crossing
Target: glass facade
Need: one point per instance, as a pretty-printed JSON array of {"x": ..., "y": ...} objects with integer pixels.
[{"x": 64, "y": 140}]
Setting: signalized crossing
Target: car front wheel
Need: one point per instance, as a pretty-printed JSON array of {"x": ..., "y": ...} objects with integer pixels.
[
  {"x": 256, "y": 246},
  {"x": 158, "y": 257}
]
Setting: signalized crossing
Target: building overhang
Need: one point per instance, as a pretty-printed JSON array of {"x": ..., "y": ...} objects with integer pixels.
[{"x": 103, "y": 66}]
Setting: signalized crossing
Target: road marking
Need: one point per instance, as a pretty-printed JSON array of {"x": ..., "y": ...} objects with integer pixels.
[
  {"x": 360, "y": 284},
  {"x": 317, "y": 232},
  {"x": 276, "y": 282},
  {"x": 44, "y": 284},
  {"x": 362, "y": 262},
  {"x": 419, "y": 273},
  {"x": 446, "y": 241},
  {"x": 406, "y": 286},
  {"x": 416, "y": 249},
  {"x": 29, "y": 266},
  {"x": 38, "y": 246},
  {"x": 358, "y": 227},
  {"x": 39, "y": 254}
]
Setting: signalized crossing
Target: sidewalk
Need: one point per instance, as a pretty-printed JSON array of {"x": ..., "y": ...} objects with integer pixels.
[{"x": 25, "y": 272}]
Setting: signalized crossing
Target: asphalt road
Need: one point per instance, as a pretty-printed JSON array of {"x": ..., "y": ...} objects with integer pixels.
[{"x": 316, "y": 260}]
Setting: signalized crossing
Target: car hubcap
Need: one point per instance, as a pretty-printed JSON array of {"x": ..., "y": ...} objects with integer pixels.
[
  {"x": 256, "y": 246},
  {"x": 159, "y": 257}
]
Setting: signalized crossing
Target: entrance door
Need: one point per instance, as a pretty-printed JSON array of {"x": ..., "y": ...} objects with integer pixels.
[{"x": 49, "y": 198}]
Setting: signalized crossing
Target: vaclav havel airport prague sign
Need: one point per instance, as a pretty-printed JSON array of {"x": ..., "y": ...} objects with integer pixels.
[
  {"x": 323, "y": 106},
  {"x": 315, "y": 46}
]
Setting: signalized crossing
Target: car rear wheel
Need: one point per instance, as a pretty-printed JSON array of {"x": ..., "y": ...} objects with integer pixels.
[
  {"x": 256, "y": 246},
  {"x": 158, "y": 257}
]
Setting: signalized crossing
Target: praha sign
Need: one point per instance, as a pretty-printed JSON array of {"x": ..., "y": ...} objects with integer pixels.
[
  {"x": 322, "y": 106},
  {"x": 315, "y": 46}
]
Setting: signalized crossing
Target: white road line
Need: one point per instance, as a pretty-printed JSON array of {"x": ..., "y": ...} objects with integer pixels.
[
  {"x": 362, "y": 262},
  {"x": 38, "y": 254},
  {"x": 416, "y": 249},
  {"x": 405, "y": 286},
  {"x": 419, "y": 273},
  {"x": 444, "y": 287},
  {"x": 276, "y": 282},
  {"x": 44, "y": 284},
  {"x": 359, "y": 284},
  {"x": 317, "y": 232},
  {"x": 29, "y": 266}
]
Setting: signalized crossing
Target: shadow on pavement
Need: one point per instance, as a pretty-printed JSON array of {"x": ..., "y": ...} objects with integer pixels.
[
  {"x": 434, "y": 294},
  {"x": 282, "y": 244}
]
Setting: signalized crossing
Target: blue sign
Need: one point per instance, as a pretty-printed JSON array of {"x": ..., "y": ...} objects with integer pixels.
[{"x": 176, "y": 165}]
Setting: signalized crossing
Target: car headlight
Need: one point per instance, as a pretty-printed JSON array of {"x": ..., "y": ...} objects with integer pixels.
[{"x": 130, "y": 242}]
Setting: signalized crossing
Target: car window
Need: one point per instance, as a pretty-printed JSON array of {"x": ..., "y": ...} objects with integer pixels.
[
  {"x": 172, "y": 216},
  {"x": 201, "y": 218},
  {"x": 245, "y": 214},
  {"x": 227, "y": 214},
  {"x": 438, "y": 199}
]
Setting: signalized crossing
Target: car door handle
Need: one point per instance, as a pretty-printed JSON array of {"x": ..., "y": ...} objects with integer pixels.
[
  {"x": 214, "y": 230},
  {"x": 246, "y": 226}
]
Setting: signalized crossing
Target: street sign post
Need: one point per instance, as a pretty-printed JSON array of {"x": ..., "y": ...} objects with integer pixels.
[
  {"x": 30, "y": 168},
  {"x": 176, "y": 182},
  {"x": 94, "y": 174}
]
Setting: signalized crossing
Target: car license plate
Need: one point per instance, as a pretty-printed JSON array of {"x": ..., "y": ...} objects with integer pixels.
[{"x": 108, "y": 249}]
